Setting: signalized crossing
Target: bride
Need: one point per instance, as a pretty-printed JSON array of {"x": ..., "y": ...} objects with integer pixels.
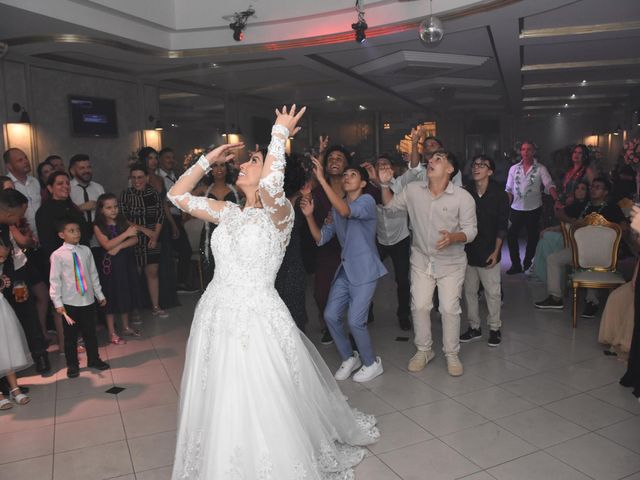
[{"x": 257, "y": 400}]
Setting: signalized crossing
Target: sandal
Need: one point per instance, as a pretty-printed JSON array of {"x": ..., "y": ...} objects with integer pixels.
[
  {"x": 116, "y": 340},
  {"x": 5, "y": 404},
  {"x": 131, "y": 332},
  {"x": 19, "y": 398}
]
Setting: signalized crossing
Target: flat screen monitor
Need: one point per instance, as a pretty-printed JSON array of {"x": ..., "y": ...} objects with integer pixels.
[{"x": 94, "y": 117}]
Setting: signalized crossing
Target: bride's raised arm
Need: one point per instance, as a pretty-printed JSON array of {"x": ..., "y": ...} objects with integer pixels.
[
  {"x": 272, "y": 194},
  {"x": 200, "y": 207}
]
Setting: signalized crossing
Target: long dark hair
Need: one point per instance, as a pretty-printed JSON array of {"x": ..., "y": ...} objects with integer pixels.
[
  {"x": 101, "y": 221},
  {"x": 143, "y": 155}
]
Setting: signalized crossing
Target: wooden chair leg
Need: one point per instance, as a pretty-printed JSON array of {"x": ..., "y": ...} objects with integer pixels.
[{"x": 575, "y": 306}]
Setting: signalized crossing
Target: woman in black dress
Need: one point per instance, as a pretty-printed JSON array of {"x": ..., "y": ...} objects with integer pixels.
[
  {"x": 291, "y": 281},
  {"x": 141, "y": 205},
  {"x": 221, "y": 188}
]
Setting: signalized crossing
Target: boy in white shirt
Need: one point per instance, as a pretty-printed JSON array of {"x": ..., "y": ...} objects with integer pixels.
[{"x": 74, "y": 287}]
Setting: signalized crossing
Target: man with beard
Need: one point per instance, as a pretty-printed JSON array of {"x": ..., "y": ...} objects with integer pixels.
[{"x": 84, "y": 191}]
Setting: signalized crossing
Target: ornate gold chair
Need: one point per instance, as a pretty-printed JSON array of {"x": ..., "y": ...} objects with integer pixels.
[
  {"x": 594, "y": 242},
  {"x": 564, "y": 229}
]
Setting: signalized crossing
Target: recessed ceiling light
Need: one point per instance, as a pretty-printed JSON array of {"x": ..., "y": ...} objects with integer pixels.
[
  {"x": 330, "y": 98},
  {"x": 573, "y": 95},
  {"x": 213, "y": 65},
  {"x": 361, "y": 107},
  {"x": 566, "y": 105},
  {"x": 584, "y": 82},
  {"x": 558, "y": 114}
]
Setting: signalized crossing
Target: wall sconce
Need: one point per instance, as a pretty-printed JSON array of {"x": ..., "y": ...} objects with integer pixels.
[
  {"x": 24, "y": 116},
  {"x": 157, "y": 124}
]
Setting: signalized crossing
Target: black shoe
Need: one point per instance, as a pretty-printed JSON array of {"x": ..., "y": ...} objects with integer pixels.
[
  {"x": 550, "y": 303},
  {"x": 495, "y": 337},
  {"x": 470, "y": 335},
  {"x": 99, "y": 365},
  {"x": 405, "y": 324},
  {"x": 326, "y": 337},
  {"x": 42, "y": 364},
  {"x": 514, "y": 269},
  {"x": 73, "y": 371},
  {"x": 590, "y": 310},
  {"x": 186, "y": 289}
]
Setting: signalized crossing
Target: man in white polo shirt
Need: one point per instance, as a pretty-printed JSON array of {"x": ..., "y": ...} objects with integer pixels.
[{"x": 19, "y": 168}]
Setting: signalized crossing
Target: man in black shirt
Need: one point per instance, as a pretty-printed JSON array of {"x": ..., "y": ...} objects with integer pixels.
[
  {"x": 557, "y": 261},
  {"x": 13, "y": 205},
  {"x": 483, "y": 254}
]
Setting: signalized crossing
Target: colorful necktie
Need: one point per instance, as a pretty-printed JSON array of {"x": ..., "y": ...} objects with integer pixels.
[{"x": 81, "y": 281}]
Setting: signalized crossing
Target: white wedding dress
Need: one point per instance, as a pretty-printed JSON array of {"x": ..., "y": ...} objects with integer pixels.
[{"x": 257, "y": 400}]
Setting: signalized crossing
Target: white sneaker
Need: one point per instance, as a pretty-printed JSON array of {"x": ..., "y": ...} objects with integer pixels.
[
  {"x": 454, "y": 366},
  {"x": 349, "y": 366},
  {"x": 369, "y": 373}
]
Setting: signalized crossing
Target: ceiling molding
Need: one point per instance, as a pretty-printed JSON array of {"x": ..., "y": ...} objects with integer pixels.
[
  {"x": 616, "y": 62},
  {"x": 579, "y": 30},
  {"x": 575, "y": 97},
  {"x": 560, "y": 108},
  {"x": 411, "y": 58},
  {"x": 445, "y": 82},
  {"x": 594, "y": 83}
]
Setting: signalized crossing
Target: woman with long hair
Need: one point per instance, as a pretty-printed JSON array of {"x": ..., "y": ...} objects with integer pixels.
[{"x": 257, "y": 400}]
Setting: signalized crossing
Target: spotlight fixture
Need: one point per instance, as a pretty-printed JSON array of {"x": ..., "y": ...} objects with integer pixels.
[
  {"x": 431, "y": 30},
  {"x": 573, "y": 95},
  {"x": 362, "y": 107},
  {"x": 240, "y": 22},
  {"x": 360, "y": 26},
  {"x": 583, "y": 83},
  {"x": 330, "y": 98},
  {"x": 24, "y": 116},
  {"x": 566, "y": 105},
  {"x": 618, "y": 130}
]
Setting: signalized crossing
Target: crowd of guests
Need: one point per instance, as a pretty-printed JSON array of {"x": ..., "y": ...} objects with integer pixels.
[{"x": 73, "y": 255}]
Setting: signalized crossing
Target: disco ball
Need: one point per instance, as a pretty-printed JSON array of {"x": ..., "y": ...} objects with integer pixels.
[{"x": 431, "y": 31}]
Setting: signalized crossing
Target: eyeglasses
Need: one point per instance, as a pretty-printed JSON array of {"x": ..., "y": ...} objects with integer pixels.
[{"x": 479, "y": 165}]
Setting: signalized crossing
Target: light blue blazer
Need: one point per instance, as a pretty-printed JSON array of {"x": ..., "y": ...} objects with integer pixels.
[{"x": 357, "y": 236}]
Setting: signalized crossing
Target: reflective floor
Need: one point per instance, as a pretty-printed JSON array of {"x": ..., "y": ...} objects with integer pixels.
[{"x": 546, "y": 404}]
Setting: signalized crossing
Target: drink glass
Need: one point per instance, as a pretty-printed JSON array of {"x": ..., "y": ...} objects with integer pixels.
[{"x": 20, "y": 291}]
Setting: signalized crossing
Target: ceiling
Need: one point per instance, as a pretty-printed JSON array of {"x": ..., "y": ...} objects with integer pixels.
[{"x": 517, "y": 57}]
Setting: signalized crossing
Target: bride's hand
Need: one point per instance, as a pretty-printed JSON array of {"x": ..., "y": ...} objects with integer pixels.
[
  {"x": 223, "y": 152},
  {"x": 289, "y": 119}
]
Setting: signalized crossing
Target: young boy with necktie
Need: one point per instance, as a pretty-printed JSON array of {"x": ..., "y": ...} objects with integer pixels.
[{"x": 74, "y": 287}]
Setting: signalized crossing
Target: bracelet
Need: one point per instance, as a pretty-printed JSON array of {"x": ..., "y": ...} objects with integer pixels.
[
  {"x": 204, "y": 164},
  {"x": 280, "y": 130},
  {"x": 385, "y": 185}
]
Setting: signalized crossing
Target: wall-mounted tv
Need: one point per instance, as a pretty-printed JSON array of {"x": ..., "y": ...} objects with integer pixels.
[{"x": 95, "y": 117}]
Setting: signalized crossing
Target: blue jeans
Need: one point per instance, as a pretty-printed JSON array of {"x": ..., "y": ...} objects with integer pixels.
[{"x": 357, "y": 298}]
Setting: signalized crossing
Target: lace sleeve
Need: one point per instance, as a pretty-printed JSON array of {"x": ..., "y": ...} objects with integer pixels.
[
  {"x": 272, "y": 194},
  {"x": 200, "y": 207}
]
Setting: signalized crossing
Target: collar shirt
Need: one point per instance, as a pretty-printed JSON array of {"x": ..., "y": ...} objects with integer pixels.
[
  {"x": 94, "y": 190},
  {"x": 454, "y": 211},
  {"x": 392, "y": 227},
  {"x": 31, "y": 190},
  {"x": 492, "y": 213},
  {"x": 526, "y": 188},
  {"x": 169, "y": 179},
  {"x": 63, "y": 288}
]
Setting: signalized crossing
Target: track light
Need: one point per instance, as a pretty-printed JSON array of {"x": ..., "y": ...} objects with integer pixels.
[
  {"x": 360, "y": 26},
  {"x": 240, "y": 22}
]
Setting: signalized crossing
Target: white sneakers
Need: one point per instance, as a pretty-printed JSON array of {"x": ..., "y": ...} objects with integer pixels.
[
  {"x": 365, "y": 373},
  {"x": 349, "y": 366},
  {"x": 369, "y": 373}
]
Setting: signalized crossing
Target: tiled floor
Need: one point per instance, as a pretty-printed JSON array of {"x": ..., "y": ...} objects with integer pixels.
[{"x": 544, "y": 405}]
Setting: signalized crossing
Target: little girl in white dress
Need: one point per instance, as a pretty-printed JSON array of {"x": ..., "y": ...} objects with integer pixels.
[{"x": 14, "y": 352}]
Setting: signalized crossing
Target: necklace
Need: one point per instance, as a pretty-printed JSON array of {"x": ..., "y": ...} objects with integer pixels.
[{"x": 530, "y": 183}]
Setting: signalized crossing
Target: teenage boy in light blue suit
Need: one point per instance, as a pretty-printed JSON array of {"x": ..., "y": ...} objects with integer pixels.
[{"x": 354, "y": 223}]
